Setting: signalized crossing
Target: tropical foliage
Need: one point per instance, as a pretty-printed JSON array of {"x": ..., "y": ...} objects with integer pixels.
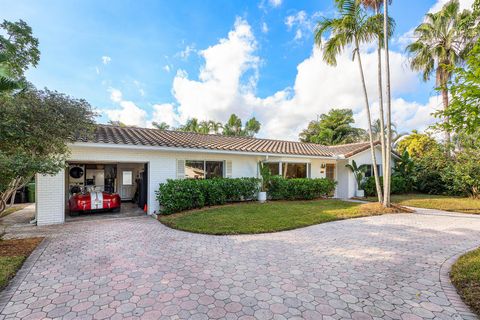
[
  {"x": 353, "y": 26},
  {"x": 358, "y": 172},
  {"x": 333, "y": 128},
  {"x": 185, "y": 194},
  {"x": 464, "y": 110},
  {"x": 233, "y": 127},
  {"x": 443, "y": 41},
  {"x": 29, "y": 143}
]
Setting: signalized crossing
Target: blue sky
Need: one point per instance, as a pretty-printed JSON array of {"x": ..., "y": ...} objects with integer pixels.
[{"x": 139, "y": 61}]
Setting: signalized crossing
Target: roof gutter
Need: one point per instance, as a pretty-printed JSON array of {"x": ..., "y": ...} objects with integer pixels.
[{"x": 176, "y": 149}]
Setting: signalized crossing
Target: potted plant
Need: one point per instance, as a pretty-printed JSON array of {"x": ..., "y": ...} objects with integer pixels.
[
  {"x": 359, "y": 173},
  {"x": 265, "y": 180}
]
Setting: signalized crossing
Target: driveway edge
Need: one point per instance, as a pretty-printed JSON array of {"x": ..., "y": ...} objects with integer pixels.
[
  {"x": 450, "y": 290},
  {"x": 7, "y": 293}
]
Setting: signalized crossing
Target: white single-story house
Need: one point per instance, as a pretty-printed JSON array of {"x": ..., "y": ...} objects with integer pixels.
[{"x": 133, "y": 162}]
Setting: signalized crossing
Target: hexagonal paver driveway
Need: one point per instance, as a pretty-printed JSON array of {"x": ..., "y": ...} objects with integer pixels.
[{"x": 385, "y": 267}]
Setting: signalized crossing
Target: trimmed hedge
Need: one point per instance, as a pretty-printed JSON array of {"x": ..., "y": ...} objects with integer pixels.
[
  {"x": 299, "y": 189},
  {"x": 179, "y": 195},
  {"x": 399, "y": 185}
]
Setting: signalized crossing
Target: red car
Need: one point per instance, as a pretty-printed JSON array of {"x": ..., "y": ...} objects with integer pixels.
[{"x": 92, "y": 201}]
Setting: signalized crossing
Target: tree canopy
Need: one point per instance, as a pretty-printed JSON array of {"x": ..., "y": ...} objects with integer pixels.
[
  {"x": 36, "y": 127},
  {"x": 333, "y": 128},
  {"x": 233, "y": 127}
]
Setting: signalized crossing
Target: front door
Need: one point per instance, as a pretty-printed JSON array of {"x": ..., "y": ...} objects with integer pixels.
[
  {"x": 127, "y": 184},
  {"x": 330, "y": 171}
]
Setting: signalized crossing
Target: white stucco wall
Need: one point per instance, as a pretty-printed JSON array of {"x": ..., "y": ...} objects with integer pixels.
[
  {"x": 162, "y": 165},
  {"x": 364, "y": 157}
]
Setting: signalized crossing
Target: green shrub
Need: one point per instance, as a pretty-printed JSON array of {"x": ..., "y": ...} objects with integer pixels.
[
  {"x": 399, "y": 185},
  {"x": 299, "y": 189},
  {"x": 179, "y": 195}
]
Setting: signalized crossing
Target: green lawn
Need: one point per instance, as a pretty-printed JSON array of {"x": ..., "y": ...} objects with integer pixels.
[
  {"x": 8, "y": 268},
  {"x": 465, "y": 276},
  {"x": 254, "y": 217},
  {"x": 447, "y": 203},
  {"x": 12, "y": 255}
]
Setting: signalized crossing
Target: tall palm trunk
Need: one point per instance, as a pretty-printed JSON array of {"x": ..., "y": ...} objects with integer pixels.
[
  {"x": 447, "y": 119},
  {"x": 370, "y": 133},
  {"x": 380, "y": 97},
  {"x": 388, "y": 149}
]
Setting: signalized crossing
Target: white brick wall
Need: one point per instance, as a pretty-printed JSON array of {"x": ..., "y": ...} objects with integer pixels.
[{"x": 50, "y": 198}]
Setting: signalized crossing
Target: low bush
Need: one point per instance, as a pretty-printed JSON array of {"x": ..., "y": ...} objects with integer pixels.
[
  {"x": 179, "y": 195},
  {"x": 399, "y": 185},
  {"x": 280, "y": 188}
]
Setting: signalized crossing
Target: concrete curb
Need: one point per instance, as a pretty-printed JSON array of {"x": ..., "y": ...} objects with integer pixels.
[{"x": 451, "y": 291}]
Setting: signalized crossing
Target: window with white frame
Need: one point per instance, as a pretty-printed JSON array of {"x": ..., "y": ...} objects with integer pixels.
[
  {"x": 202, "y": 169},
  {"x": 289, "y": 170},
  {"x": 369, "y": 171}
]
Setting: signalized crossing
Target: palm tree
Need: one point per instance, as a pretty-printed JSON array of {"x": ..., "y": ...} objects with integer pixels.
[
  {"x": 215, "y": 126},
  {"x": 204, "y": 127},
  {"x": 7, "y": 83},
  {"x": 160, "y": 125},
  {"x": 352, "y": 27},
  {"x": 384, "y": 140},
  {"x": 441, "y": 44},
  {"x": 233, "y": 127},
  {"x": 191, "y": 126}
]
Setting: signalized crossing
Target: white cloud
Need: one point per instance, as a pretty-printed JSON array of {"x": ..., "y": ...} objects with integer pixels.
[
  {"x": 166, "y": 68},
  {"x": 302, "y": 23},
  {"x": 227, "y": 82},
  {"x": 185, "y": 53},
  {"x": 264, "y": 27},
  {"x": 166, "y": 113},
  {"x": 219, "y": 90},
  {"x": 264, "y": 4},
  {"x": 464, "y": 4},
  {"x": 106, "y": 59},
  {"x": 128, "y": 112},
  {"x": 275, "y": 3}
]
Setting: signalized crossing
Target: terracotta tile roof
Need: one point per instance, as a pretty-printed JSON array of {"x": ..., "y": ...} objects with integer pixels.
[
  {"x": 179, "y": 139},
  {"x": 348, "y": 150}
]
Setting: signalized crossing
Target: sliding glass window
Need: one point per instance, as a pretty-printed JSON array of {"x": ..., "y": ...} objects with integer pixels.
[{"x": 200, "y": 169}]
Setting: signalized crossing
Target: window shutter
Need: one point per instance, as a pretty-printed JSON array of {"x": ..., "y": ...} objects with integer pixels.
[
  {"x": 228, "y": 169},
  {"x": 180, "y": 169}
]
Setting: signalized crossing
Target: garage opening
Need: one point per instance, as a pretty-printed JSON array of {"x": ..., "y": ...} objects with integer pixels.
[{"x": 105, "y": 190}]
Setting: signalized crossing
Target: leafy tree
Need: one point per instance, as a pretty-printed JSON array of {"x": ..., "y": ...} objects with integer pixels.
[
  {"x": 204, "y": 127},
  {"x": 117, "y": 123},
  {"x": 464, "y": 110},
  {"x": 417, "y": 145},
  {"x": 233, "y": 127},
  {"x": 35, "y": 129},
  {"x": 7, "y": 83},
  {"x": 160, "y": 125},
  {"x": 333, "y": 128},
  {"x": 215, "y": 126},
  {"x": 442, "y": 43},
  {"x": 192, "y": 125},
  {"x": 352, "y": 26},
  {"x": 20, "y": 46},
  {"x": 252, "y": 127}
]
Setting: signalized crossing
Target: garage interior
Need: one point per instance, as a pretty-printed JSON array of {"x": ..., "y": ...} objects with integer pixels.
[{"x": 128, "y": 180}]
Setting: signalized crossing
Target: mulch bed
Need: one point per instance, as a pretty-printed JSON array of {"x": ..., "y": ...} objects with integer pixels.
[{"x": 18, "y": 247}]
